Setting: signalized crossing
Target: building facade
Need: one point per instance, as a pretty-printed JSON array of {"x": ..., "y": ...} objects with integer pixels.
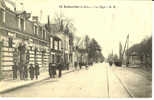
[{"x": 23, "y": 42}]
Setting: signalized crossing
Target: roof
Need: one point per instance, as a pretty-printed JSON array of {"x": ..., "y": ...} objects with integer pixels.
[
  {"x": 53, "y": 28},
  {"x": 55, "y": 36}
]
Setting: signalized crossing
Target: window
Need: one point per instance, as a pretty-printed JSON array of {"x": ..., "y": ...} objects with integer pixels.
[
  {"x": 40, "y": 29},
  {"x": 19, "y": 23},
  {"x": 51, "y": 42},
  {"x": 66, "y": 45},
  {"x": 35, "y": 29},
  {"x": 44, "y": 34},
  {"x": 59, "y": 45},
  {"x": 55, "y": 44},
  {"x": 3, "y": 16},
  {"x": 22, "y": 24}
]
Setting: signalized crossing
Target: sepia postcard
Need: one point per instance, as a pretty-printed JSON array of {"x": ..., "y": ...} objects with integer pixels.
[{"x": 76, "y": 48}]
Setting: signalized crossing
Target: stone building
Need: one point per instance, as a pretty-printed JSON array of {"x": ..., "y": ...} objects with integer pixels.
[{"x": 22, "y": 41}]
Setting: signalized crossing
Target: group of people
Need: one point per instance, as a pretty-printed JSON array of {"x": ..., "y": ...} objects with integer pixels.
[
  {"x": 81, "y": 64},
  {"x": 34, "y": 71},
  {"x": 53, "y": 67},
  {"x": 23, "y": 71}
]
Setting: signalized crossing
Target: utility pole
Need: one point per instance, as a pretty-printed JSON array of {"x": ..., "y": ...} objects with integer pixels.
[
  {"x": 127, "y": 61},
  {"x": 126, "y": 44}
]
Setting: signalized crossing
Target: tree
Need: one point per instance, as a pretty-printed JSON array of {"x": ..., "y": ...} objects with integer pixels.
[
  {"x": 143, "y": 50},
  {"x": 94, "y": 50},
  {"x": 120, "y": 50},
  {"x": 115, "y": 57},
  {"x": 87, "y": 40},
  {"x": 64, "y": 24}
]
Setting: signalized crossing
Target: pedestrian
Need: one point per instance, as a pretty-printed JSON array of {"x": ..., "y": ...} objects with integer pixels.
[
  {"x": 37, "y": 70},
  {"x": 75, "y": 65},
  {"x": 80, "y": 65},
  {"x": 50, "y": 70},
  {"x": 31, "y": 71},
  {"x": 60, "y": 70},
  {"x": 60, "y": 65},
  {"x": 86, "y": 65},
  {"x": 14, "y": 68},
  {"x": 25, "y": 72},
  {"x": 21, "y": 70},
  {"x": 67, "y": 65},
  {"x": 54, "y": 70}
]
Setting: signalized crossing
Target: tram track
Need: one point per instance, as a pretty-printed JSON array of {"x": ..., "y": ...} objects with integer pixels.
[
  {"x": 120, "y": 81},
  {"x": 107, "y": 77},
  {"x": 124, "y": 85}
]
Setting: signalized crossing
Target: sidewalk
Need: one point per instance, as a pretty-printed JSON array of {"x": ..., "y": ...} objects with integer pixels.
[{"x": 6, "y": 86}]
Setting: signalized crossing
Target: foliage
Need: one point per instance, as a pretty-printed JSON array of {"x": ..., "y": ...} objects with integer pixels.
[
  {"x": 94, "y": 50},
  {"x": 64, "y": 24},
  {"x": 115, "y": 57},
  {"x": 143, "y": 50}
]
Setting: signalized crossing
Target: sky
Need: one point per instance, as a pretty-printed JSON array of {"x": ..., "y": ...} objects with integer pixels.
[{"x": 108, "y": 26}]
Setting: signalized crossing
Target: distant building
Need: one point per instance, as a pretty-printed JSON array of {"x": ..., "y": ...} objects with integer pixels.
[
  {"x": 61, "y": 42},
  {"x": 82, "y": 52},
  {"x": 134, "y": 58}
]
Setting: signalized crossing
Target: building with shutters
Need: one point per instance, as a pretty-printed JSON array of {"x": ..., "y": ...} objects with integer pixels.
[
  {"x": 22, "y": 40},
  {"x": 60, "y": 46}
]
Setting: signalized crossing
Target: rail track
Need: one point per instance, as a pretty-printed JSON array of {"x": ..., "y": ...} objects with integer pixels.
[
  {"x": 107, "y": 77},
  {"x": 121, "y": 83}
]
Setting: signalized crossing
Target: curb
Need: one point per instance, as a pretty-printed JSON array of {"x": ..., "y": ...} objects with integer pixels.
[
  {"x": 28, "y": 84},
  {"x": 20, "y": 86}
]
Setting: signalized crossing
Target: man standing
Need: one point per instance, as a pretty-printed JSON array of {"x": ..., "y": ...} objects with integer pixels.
[
  {"x": 37, "y": 70},
  {"x": 14, "y": 68},
  {"x": 80, "y": 65},
  {"x": 75, "y": 64},
  {"x": 54, "y": 70},
  {"x": 25, "y": 73},
  {"x": 60, "y": 64},
  {"x": 31, "y": 71},
  {"x": 50, "y": 70},
  {"x": 21, "y": 70}
]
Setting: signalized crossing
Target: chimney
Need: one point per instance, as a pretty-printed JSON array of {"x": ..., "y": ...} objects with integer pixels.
[{"x": 49, "y": 24}]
